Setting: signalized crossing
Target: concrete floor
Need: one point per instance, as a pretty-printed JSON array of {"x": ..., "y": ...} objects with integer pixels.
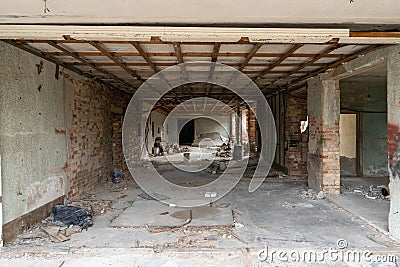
[
  {"x": 278, "y": 215},
  {"x": 374, "y": 211}
]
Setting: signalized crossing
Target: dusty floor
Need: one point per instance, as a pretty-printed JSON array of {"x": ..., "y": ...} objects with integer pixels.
[{"x": 282, "y": 214}]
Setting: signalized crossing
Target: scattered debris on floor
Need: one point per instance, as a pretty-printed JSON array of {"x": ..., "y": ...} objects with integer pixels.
[
  {"x": 60, "y": 234},
  {"x": 67, "y": 216},
  {"x": 184, "y": 149},
  {"x": 311, "y": 193},
  {"x": 92, "y": 205},
  {"x": 224, "y": 151},
  {"x": 370, "y": 192}
]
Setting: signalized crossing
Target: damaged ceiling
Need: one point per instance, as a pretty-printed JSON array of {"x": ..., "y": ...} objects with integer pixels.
[{"x": 282, "y": 61}]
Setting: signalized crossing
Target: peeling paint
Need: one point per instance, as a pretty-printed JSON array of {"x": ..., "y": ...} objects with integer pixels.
[{"x": 40, "y": 193}]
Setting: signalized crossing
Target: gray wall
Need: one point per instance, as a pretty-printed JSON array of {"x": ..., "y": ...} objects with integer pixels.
[
  {"x": 205, "y": 125},
  {"x": 368, "y": 99},
  {"x": 202, "y": 125},
  {"x": 374, "y": 143},
  {"x": 33, "y": 155}
]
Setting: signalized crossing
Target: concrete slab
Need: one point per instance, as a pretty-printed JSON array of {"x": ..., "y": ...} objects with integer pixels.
[
  {"x": 373, "y": 211},
  {"x": 156, "y": 214}
]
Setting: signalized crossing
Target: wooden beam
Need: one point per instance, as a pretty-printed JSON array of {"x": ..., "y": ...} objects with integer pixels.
[
  {"x": 214, "y": 58},
  {"x": 169, "y": 64},
  {"x": 71, "y": 54},
  {"x": 158, "y": 41},
  {"x": 70, "y": 67},
  {"x": 375, "y": 34},
  {"x": 253, "y": 51},
  {"x": 280, "y": 60},
  {"x": 310, "y": 62},
  {"x": 300, "y": 82},
  {"x": 193, "y": 54},
  {"x": 106, "y": 53},
  {"x": 63, "y": 64},
  {"x": 178, "y": 52},
  {"x": 145, "y": 56},
  {"x": 215, "y": 52},
  {"x": 179, "y": 58}
]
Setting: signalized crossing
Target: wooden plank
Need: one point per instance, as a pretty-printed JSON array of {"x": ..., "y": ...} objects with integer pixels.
[
  {"x": 116, "y": 61},
  {"x": 145, "y": 56},
  {"x": 300, "y": 82},
  {"x": 214, "y": 58},
  {"x": 71, "y": 54},
  {"x": 63, "y": 64},
  {"x": 215, "y": 52},
  {"x": 158, "y": 41},
  {"x": 280, "y": 60},
  {"x": 193, "y": 54},
  {"x": 375, "y": 34},
  {"x": 169, "y": 64},
  {"x": 178, "y": 52},
  {"x": 309, "y": 63},
  {"x": 250, "y": 55}
]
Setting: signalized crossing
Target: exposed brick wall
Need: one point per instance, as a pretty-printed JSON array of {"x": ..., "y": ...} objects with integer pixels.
[
  {"x": 119, "y": 164},
  {"x": 296, "y": 143},
  {"x": 91, "y": 135},
  {"x": 252, "y": 131}
]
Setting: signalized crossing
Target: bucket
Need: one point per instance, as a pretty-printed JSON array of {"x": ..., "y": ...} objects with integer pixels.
[{"x": 117, "y": 176}]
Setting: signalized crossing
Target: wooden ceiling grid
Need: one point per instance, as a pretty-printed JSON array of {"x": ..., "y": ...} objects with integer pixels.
[{"x": 125, "y": 65}]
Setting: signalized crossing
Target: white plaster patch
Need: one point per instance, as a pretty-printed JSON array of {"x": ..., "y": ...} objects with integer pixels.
[{"x": 40, "y": 193}]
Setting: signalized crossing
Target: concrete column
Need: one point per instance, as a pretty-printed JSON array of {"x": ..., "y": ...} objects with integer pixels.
[
  {"x": 233, "y": 128},
  {"x": 393, "y": 102},
  {"x": 323, "y": 107}
]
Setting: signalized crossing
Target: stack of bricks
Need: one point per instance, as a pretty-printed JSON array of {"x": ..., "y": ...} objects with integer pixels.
[{"x": 296, "y": 142}]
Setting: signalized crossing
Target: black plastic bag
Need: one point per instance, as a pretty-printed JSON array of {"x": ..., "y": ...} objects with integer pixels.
[{"x": 70, "y": 215}]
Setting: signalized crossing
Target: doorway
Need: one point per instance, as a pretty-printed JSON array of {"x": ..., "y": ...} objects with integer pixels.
[{"x": 186, "y": 133}]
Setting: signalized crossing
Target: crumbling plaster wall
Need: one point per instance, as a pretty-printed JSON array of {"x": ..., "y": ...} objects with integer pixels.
[
  {"x": 55, "y": 133},
  {"x": 34, "y": 153}
]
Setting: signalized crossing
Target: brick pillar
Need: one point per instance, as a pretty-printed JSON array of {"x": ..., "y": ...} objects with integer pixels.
[
  {"x": 393, "y": 103},
  {"x": 252, "y": 128},
  {"x": 323, "y": 104}
]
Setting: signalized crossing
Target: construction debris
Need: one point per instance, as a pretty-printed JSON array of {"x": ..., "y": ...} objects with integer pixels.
[
  {"x": 60, "y": 234},
  {"x": 70, "y": 215},
  {"x": 311, "y": 193},
  {"x": 95, "y": 207},
  {"x": 370, "y": 192},
  {"x": 224, "y": 151}
]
